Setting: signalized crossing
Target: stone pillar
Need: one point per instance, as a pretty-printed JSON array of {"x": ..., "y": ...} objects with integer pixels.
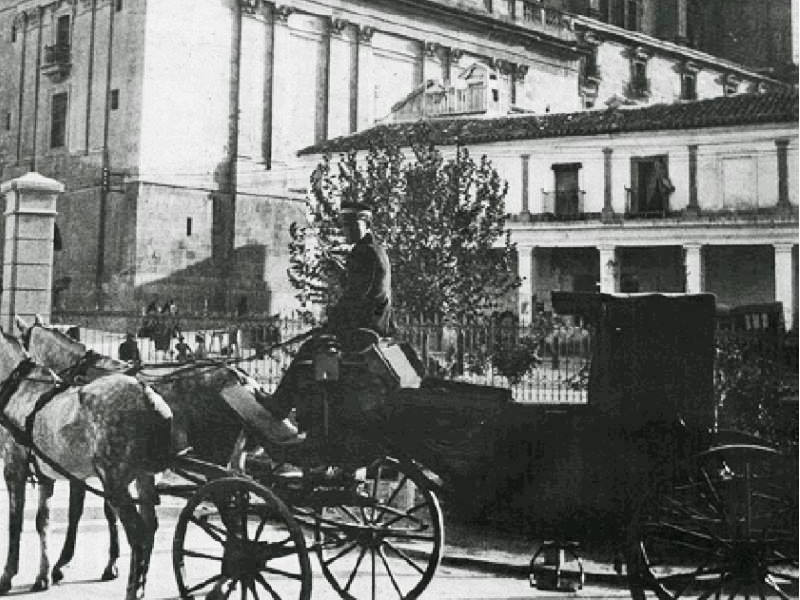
[
  {"x": 784, "y": 288},
  {"x": 783, "y": 174},
  {"x": 693, "y": 265},
  {"x": 609, "y": 269},
  {"x": 282, "y": 85},
  {"x": 525, "y": 266},
  {"x": 693, "y": 209},
  {"x": 525, "y": 164},
  {"x": 608, "y": 208},
  {"x": 365, "y": 117},
  {"x": 28, "y": 251}
]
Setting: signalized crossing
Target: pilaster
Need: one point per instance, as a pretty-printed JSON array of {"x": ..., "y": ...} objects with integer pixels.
[
  {"x": 281, "y": 84},
  {"x": 693, "y": 209},
  {"x": 781, "y": 147},
  {"x": 365, "y": 116},
  {"x": 28, "y": 250}
]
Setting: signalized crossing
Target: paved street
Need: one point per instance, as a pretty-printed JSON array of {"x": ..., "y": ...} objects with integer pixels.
[{"x": 81, "y": 579}]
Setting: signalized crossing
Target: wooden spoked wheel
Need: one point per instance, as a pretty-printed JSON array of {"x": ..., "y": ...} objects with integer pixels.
[
  {"x": 386, "y": 540},
  {"x": 728, "y": 528},
  {"x": 236, "y": 539}
]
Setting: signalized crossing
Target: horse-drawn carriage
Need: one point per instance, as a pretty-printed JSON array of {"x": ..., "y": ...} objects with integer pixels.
[{"x": 704, "y": 513}]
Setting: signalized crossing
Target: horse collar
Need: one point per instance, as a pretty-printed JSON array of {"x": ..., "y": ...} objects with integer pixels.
[{"x": 13, "y": 381}]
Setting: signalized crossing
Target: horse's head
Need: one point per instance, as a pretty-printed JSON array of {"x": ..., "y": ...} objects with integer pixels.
[
  {"x": 48, "y": 345},
  {"x": 11, "y": 354}
]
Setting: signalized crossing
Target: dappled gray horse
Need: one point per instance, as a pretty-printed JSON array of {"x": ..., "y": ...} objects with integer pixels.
[
  {"x": 113, "y": 428},
  {"x": 202, "y": 419}
]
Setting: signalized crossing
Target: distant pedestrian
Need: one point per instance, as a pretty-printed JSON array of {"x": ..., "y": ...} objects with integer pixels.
[
  {"x": 200, "y": 351},
  {"x": 129, "y": 350},
  {"x": 183, "y": 350}
]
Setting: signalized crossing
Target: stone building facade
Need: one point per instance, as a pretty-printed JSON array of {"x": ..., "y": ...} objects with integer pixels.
[{"x": 174, "y": 125}]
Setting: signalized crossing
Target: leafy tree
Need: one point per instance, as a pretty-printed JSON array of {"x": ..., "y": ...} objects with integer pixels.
[{"x": 442, "y": 221}]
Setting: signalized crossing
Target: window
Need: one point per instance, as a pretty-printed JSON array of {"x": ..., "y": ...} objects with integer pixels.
[
  {"x": 639, "y": 85},
  {"x": 651, "y": 186},
  {"x": 487, "y": 5},
  {"x": 188, "y": 226},
  {"x": 688, "y": 86},
  {"x": 567, "y": 196},
  {"x": 62, "y": 31},
  {"x": 114, "y": 99},
  {"x": 589, "y": 64},
  {"x": 13, "y": 33},
  {"x": 8, "y": 120},
  {"x": 119, "y": 5},
  {"x": 58, "y": 120},
  {"x": 731, "y": 85}
]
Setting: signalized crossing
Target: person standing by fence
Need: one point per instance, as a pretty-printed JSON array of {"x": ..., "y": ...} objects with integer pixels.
[{"x": 129, "y": 350}]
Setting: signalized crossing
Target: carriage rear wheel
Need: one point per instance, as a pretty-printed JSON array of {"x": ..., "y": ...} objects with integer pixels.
[
  {"x": 386, "y": 541},
  {"x": 727, "y": 529},
  {"x": 235, "y": 538}
]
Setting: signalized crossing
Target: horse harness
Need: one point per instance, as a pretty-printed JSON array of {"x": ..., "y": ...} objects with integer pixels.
[{"x": 24, "y": 437}]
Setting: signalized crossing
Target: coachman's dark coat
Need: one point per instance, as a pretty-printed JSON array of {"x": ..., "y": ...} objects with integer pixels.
[{"x": 367, "y": 297}]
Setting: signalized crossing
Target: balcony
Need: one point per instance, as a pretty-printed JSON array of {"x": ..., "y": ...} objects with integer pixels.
[
  {"x": 435, "y": 100},
  {"x": 563, "y": 205},
  {"x": 57, "y": 61},
  {"x": 533, "y": 14}
]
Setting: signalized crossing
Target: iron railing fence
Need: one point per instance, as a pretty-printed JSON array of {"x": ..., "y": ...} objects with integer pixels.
[{"x": 538, "y": 364}]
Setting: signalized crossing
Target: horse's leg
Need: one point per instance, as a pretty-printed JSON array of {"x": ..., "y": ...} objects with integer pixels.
[
  {"x": 15, "y": 475},
  {"x": 42, "y": 581},
  {"x": 77, "y": 495},
  {"x": 134, "y": 527},
  {"x": 148, "y": 499},
  {"x": 111, "y": 572}
]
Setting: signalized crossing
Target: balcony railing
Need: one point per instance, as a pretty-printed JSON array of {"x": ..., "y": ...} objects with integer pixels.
[
  {"x": 456, "y": 100},
  {"x": 639, "y": 207},
  {"x": 533, "y": 14},
  {"x": 563, "y": 205},
  {"x": 57, "y": 60}
]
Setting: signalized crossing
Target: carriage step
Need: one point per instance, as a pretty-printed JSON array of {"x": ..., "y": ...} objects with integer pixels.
[{"x": 557, "y": 566}]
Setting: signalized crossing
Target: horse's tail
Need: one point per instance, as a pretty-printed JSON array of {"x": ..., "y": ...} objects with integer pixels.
[{"x": 159, "y": 448}]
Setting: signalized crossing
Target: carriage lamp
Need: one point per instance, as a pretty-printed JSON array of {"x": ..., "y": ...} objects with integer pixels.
[
  {"x": 326, "y": 359},
  {"x": 557, "y": 566}
]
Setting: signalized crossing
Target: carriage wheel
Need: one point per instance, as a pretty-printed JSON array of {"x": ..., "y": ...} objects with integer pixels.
[
  {"x": 386, "y": 542},
  {"x": 235, "y": 538},
  {"x": 726, "y": 530}
]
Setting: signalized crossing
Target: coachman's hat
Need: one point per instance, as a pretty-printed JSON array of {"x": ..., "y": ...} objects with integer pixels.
[{"x": 356, "y": 210}]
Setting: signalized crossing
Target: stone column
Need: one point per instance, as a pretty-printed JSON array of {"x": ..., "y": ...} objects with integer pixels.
[
  {"x": 693, "y": 208},
  {"x": 525, "y": 164},
  {"x": 282, "y": 85},
  {"x": 608, "y": 208},
  {"x": 783, "y": 174},
  {"x": 525, "y": 264},
  {"x": 693, "y": 265},
  {"x": 28, "y": 251},
  {"x": 366, "y": 79},
  {"x": 609, "y": 269},
  {"x": 784, "y": 272}
]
